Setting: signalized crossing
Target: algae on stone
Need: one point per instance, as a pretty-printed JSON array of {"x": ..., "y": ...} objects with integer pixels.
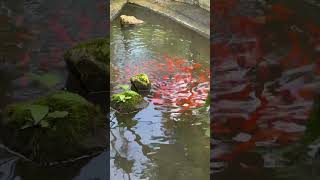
[
  {"x": 89, "y": 62},
  {"x": 140, "y": 82},
  {"x": 63, "y": 138},
  {"x": 127, "y": 101}
]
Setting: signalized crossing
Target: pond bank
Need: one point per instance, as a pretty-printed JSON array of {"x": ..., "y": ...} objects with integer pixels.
[{"x": 192, "y": 17}]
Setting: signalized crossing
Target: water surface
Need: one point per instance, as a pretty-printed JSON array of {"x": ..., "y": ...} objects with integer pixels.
[
  {"x": 34, "y": 35},
  {"x": 165, "y": 140},
  {"x": 266, "y": 76}
]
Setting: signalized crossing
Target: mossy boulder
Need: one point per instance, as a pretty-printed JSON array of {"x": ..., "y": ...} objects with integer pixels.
[
  {"x": 140, "y": 83},
  {"x": 127, "y": 102},
  {"x": 89, "y": 63},
  {"x": 57, "y": 127}
]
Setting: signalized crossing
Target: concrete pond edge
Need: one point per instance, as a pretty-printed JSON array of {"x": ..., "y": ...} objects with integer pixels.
[{"x": 188, "y": 22}]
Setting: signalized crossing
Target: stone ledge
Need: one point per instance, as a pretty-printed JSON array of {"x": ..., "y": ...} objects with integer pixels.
[
  {"x": 115, "y": 8},
  {"x": 192, "y": 17}
]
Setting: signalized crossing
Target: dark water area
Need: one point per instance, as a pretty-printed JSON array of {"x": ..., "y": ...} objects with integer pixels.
[
  {"x": 167, "y": 139},
  {"x": 34, "y": 35},
  {"x": 264, "y": 82}
]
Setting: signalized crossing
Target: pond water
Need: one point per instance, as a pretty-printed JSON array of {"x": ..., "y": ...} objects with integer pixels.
[
  {"x": 165, "y": 140},
  {"x": 266, "y": 75},
  {"x": 34, "y": 35}
]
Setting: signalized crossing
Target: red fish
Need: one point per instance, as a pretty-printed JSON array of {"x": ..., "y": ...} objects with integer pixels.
[
  {"x": 202, "y": 77},
  {"x": 165, "y": 77},
  {"x": 179, "y": 62},
  {"x": 184, "y": 108},
  {"x": 196, "y": 66}
]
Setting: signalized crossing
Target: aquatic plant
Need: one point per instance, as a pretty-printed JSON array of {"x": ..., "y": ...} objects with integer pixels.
[
  {"x": 126, "y": 101},
  {"x": 41, "y": 116}
]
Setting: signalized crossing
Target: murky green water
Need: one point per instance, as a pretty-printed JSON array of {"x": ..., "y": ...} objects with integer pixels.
[{"x": 163, "y": 141}]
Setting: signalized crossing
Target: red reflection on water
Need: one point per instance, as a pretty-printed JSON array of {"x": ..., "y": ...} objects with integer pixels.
[
  {"x": 258, "y": 86},
  {"x": 176, "y": 83}
]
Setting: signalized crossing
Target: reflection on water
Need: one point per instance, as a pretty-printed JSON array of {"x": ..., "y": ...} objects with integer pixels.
[
  {"x": 166, "y": 140},
  {"x": 34, "y": 35},
  {"x": 266, "y": 77}
]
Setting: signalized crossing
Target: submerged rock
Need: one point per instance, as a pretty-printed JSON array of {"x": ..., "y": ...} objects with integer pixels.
[
  {"x": 140, "y": 83},
  {"x": 89, "y": 63},
  {"x": 129, "y": 20},
  {"x": 127, "y": 102},
  {"x": 57, "y": 127}
]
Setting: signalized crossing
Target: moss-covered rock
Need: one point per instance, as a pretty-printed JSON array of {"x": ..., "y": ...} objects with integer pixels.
[
  {"x": 140, "y": 83},
  {"x": 61, "y": 125},
  {"x": 127, "y": 102},
  {"x": 89, "y": 62}
]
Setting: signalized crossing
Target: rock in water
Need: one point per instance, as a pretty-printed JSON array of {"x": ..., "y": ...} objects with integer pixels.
[
  {"x": 129, "y": 20},
  {"x": 89, "y": 63},
  {"x": 53, "y": 128},
  {"x": 140, "y": 83},
  {"x": 127, "y": 102}
]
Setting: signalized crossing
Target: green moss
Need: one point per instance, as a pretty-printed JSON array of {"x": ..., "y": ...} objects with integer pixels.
[
  {"x": 99, "y": 48},
  {"x": 140, "y": 82},
  {"x": 62, "y": 139},
  {"x": 89, "y": 62},
  {"x": 126, "y": 101}
]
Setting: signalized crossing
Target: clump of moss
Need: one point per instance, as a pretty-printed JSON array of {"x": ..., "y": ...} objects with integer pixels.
[
  {"x": 127, "y": 101},
  {"x": 89, "y": 62},
  {"x": 99, "y": 48},
  {"x": 62, "y": 137},
  {"x": 140, "y": 82}
]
